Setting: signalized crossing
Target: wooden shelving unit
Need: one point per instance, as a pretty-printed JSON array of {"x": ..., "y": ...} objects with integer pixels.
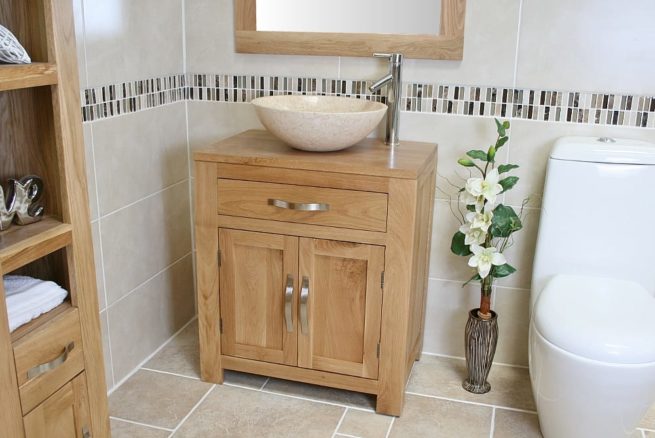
[
  {"x": 41, "y": 134},
  {"x": 38, "y": 74}
]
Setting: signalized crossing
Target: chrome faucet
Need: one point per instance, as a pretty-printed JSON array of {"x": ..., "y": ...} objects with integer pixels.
[{"x": 393, "y": 82}]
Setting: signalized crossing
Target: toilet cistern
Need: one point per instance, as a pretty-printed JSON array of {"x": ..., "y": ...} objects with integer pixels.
[{"x": 393, "y": 82}]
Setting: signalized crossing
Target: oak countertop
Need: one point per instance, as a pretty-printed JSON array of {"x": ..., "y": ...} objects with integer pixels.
[{"x": 369, "y": 157}]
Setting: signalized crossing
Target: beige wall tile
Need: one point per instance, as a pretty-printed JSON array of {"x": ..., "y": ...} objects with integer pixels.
[
  {"x": 158, "y": 399},
  {"x": 365, "y": 424},
  {"x": 144, "y": 320},
  {"x": 587, "y": 45},
  {"x": 123, "y": 429},
  {"x": 106, "y": 353},
  {"x": 210, "y": 47},
  {"x": 95, "y": 234},
  {"x": 530, "y": 145},
  {"x": 455, "y": 135},
  {"x": 447, "y": 309},
  {"x": 139, "y": 154},
  {"x": 181, "y": 355},
  {"x": 210, "y": 122},
  {"x": 512, "y": 424},
  {"x": 130, "y": 40},
  {"x": 443, "y": 376},
  {"x": 429, "y": 417},
  {"x": 444, "y": 264},
  {"x": 239, "y": 413},
  {"x": 521, "y": 252},
  {"x": 144, "y": 238},
  {"x": 90, "y": 171},
  {"x": 489, "y": 49},
  {"x": 512, "y": 306}
]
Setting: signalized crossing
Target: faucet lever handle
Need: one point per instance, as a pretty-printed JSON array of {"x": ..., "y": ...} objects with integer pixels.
[{"x": 382, "y": 55}]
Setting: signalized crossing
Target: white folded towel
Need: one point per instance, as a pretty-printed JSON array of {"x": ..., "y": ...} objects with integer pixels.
[{"x": 28, "y": 298}]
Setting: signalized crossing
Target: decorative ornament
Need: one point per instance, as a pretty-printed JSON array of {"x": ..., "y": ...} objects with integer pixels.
[
  {"x": 11, "y": 52},
  {"x": 20, "y": 204}
]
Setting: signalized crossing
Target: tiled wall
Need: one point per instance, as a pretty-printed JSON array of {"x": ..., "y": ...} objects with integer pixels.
[
  {"x": 138, "y": 172},
  {"x": 160, "y": 78}
]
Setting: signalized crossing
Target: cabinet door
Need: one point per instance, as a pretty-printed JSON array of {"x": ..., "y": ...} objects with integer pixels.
[
  {"x": 65, "y": 414},
  {"x": 341, "y": 293},
  {"x": 257, "y": 290}
]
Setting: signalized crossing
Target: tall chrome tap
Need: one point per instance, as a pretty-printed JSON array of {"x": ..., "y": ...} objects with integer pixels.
[{"x": 393, "y": 81}]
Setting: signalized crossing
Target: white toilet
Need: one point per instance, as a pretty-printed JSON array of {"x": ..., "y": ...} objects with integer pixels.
[{"x": 592, "y": 325}]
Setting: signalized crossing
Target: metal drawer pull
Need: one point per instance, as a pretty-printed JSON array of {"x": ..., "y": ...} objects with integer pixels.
[
  {"x": 85, "y": 432},
  {"x": 279, "y": 203},
  {"x": 304, "y": 296},
  {"x": 54, "y": 363},
  {"x": 288, "y": 303}
]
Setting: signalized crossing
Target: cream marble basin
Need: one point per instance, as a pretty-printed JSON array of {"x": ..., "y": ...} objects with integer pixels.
[{"x": 319, "y": 123}]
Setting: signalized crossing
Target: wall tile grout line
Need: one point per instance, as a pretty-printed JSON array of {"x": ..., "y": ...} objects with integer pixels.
[
  {"x": 125, "y": 420},
  {"x": 154, "y": 370},
  {"x": 186, "y": 417}
]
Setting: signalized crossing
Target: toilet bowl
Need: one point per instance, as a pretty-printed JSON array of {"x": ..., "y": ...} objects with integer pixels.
[{"x": 592, "y": 321}]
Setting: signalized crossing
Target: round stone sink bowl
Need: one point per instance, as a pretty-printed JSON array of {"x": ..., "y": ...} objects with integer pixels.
[{"x": 318, "y": 123}]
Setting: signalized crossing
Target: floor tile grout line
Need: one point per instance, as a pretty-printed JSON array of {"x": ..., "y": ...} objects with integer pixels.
[
  {"x": 154, "y": 370},
  {"x": 507, "y": 408},
  {"x": 346, "y": 435},
  {"x": 186, "y": 417},
  {"x": 493, "y": 423},
  {"x": 264, "y": 384},
  {"x": 393, "y": 420},
  {"x": 139, "y": 423},
  {"x": 144, "y": 361},
  {"x": 336, "y": 429}
]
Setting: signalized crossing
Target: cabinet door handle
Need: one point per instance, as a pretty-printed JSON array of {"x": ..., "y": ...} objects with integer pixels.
[
  {"x": 304, "y": 296},
  {"x": 279, "y": 203},
  {"x": 288, "y": 303},
  {"x": 49, "y": 366},
  {"x": 85, "y": 432}
]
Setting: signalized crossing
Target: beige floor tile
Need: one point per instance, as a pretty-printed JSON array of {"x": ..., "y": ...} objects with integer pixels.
[
  {"x": 122, "y": 429},
  {"x": 442, "y": 377},
  {"x": 648, "y": 434},
  {"x": 365, "y": 424},
  {"x": 155, "y": 398},
  {"x": 321, "y": 393},
  {"x": 648, "y": 422},
  {"x": 182, "y": 356},
  {"x": 430, "y": 417},
  {"x": 235, "y": 412},
  {"x": 512, "y": 424}
]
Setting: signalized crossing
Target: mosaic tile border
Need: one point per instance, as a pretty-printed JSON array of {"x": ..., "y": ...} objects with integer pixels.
[{"x": 511, "y": 103}]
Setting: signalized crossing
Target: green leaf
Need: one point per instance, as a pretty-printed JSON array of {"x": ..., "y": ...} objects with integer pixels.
[
  {"x": 476, "y": 277},
  {"x": 491, "y": 153},
  {"x": 506, "y": 124},
  {"x": 501, "y": 142},
  {"x": 500, "y": 128},
  {"x": 470, "y": 207},
  {"x": 504, "y": 222},
  {"x": 457, "y": 246},
  {"x": 466, "y": 162},
  {"x": 477, "y": 154},
  {"x": 508, "y": 182},
  {"x": 502, "y": 270},
  {"x": 506, "y": 167}
]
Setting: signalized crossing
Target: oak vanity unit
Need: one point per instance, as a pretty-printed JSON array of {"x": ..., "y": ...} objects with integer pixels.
[{"x": 313, "y": 266}]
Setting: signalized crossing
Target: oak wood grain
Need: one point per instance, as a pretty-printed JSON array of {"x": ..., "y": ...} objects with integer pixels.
[{"x": 37, "y": 74}]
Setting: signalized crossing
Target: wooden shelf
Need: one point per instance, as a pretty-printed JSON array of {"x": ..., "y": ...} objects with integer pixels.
[
  {"x": 42, "y": 320},
  {"x": 37, "y": 74},
  {"x": 20, "y": 245}
]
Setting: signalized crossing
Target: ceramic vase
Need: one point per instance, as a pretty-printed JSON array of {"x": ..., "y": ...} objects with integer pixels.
[{"x": 481, "y": 337}]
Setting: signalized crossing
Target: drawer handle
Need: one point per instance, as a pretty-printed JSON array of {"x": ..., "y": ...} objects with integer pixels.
[
  {"x": 49, "y": 366},
  {"x": 304, "y": 296},
  {"x": 85, "y": 432},
  {"x": 279, "y": 203},
  {"x": 288, "y": 303}
]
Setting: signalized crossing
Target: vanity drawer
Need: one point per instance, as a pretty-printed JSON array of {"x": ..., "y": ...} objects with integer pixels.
[
  {"x": 303, "y": 204},
  {"x": 48, "y": 358}
]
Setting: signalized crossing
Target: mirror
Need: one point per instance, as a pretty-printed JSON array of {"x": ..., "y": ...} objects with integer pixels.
[{"x": 428, "y": 29}]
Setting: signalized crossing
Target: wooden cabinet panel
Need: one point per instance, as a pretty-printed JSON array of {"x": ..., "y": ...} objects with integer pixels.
[
  {"x": 258, "y": 271},
  {"x": 344, "y": 305},
  {"x": 352, "y": 209},
  {"x": 65, "y": 414}
]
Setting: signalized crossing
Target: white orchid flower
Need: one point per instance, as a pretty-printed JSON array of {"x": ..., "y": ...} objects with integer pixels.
[
  {"x": 484, "y": 258},
  {"x": 469, "y": 199},
  {"x": 488, "y": 187},
  {"x": 473, "y": 235},
  {"x": 480, "y": 220}
]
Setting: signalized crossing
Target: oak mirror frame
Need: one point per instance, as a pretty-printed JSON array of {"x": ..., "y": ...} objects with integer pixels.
[{"x": 448, "y": 44}]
